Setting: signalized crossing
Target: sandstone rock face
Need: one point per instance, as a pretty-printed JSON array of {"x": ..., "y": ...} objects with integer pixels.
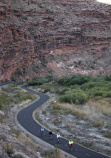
[{"x": 59, "y": 38}]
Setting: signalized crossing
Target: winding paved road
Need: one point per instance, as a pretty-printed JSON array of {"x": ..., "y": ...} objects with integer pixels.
[{"x": 26, "y": 120}]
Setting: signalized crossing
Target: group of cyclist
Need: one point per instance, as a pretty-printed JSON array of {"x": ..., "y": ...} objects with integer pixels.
[{"x": 58, "y": 137}]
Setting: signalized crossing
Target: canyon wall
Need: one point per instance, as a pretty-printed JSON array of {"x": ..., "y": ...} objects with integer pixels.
[{"x": 54, "y": 38}]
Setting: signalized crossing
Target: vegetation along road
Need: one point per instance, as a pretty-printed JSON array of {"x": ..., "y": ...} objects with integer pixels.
[{"x": 26, "y": 120}]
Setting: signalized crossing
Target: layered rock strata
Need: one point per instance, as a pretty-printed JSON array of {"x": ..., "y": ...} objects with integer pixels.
[{"x": 54, "y": 37}]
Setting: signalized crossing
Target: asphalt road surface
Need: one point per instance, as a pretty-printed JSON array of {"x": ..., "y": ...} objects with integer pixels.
[{"x": 26, "y": 120}]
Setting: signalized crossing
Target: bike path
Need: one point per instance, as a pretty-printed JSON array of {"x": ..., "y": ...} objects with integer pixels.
[{"x": 26, "y": 120}]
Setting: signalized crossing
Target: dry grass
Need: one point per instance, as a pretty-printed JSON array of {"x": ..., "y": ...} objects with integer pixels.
[
  {"x": 92, "y": 109},
  {"x": 68, "y": 108},
  {"x": 24, "y": 103},
  {"x": 98, "y": 123},
  {"x": 28, "y": 141},
  {"x": 103, "y": 106}
]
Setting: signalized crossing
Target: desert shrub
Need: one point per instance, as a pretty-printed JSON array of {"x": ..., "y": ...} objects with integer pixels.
[
  {"x": 20, "y": 96},
  {"x": 98, "y": 93},
  {"x": 8, "y": 149},
  {"x": 44, "y": 112},
  {"x": 88, "y": 85},
  {"x": 108, "y": 78},
  {"x": 65, "y": 98},
  {"x": 107, "y": 134},
  {"x": 39, "y": 80},
  {"x": 63, "y": 81},
  {"x": 46, "y": 90},
  {"x": 79, "y": 80},
  {"x": 108, "y": 94},
  {"x": 15, "y": 131},
  {"x": 61, "y": 91},
  {"x": 98, "y": 123},
  {"x": 76, "y": 98},
  {"x": 57, "y": 107}
]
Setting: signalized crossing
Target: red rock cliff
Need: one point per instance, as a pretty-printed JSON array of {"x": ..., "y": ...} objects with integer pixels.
[{"x": 54, "y": 37}]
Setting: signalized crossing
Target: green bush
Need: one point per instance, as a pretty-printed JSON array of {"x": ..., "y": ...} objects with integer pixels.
[
  {"x": 46, "y": 90},
  {"x": 76, "y": 98},
  {"x": 39, "y": 81},
  {"x": 62, "y": 91},
  {"x": 98, "y": 93},
  {"x": 108, "y": 78},
  {"x": 108, "y": 94},
  {"x": 79, "y": 80},
  {"x": 65, "y": 98},
  {"x": 78, "y": 89}
]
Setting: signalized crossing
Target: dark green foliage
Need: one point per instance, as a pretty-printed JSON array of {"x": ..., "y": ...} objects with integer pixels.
[
  {"x": 62, "y": 91},
  {"x": 76, "y": 98},
  {"x": 39, "y": 81},
  {"x": 108, "y": 78},
  {"x": 79, "y": 89},
  {"x": 46, "y": 90},
  {"x": 79, "y": 80}
]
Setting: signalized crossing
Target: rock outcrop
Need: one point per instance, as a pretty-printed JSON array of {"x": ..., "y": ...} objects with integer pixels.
[{"x": 40, "y": 38}]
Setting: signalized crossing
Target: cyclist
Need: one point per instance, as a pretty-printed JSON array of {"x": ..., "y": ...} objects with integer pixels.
[
  {"x": 50, "y": 134},
  {"x": 42, "y": 130},
  {"x": 70, "y": 143},
  {"x": 58, "y": 137}
]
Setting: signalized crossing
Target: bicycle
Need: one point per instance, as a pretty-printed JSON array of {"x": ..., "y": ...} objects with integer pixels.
[
  {"x": 70, "y": 147},
  {"x": 42, "y": 133},
  {"x": 58, "y": 140}
]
